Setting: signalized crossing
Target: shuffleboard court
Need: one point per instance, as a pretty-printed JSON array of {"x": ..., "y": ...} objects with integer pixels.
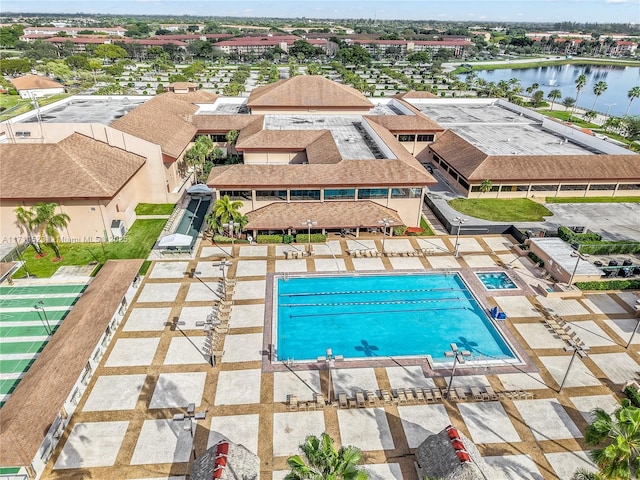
[{"x": 25, "y": 330}]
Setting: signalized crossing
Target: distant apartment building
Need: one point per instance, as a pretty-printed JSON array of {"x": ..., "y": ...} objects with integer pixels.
[
  {"x": 80, "y": 43},
  {"x": 73, "y": 31},
  {"x": 259, "y": 45},
  {"x": 377, "y": 46}
]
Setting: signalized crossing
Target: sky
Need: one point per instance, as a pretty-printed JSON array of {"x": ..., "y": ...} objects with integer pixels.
[{"x": 601, "y": 11}]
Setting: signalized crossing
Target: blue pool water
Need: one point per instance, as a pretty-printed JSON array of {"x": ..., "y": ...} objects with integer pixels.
[
  {"x": 496, "y": 281},
  {"x": 382, "y": 316}
]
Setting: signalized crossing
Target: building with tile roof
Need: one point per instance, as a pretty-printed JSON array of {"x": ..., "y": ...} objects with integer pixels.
[{"x": 30, "y": 86}]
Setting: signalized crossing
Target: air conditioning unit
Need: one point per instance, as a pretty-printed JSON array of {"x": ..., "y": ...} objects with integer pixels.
[{"x": 118, "y": 230}]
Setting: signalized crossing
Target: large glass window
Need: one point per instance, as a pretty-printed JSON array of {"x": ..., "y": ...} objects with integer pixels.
[
  {"x": 405, "y": 192},
  {"x": 271, "y": 195},
  {"x": 564, "y": 188},
  {"x": 476, "y": 188},
  {"x": 367, "y": 193},
  {"x": 514, "y": 188},
  {"x": 629, "y": 186},
  {"x": 340, "y": 194},
  {"x": 544, "y": 188},
  {"x": 602, "y": 186},
  {"x": 242, "y": 195},
  {"x": 406, "y": 138},
  {"x": 426, "y": 138},
  {"x": 304, "y": 195}
]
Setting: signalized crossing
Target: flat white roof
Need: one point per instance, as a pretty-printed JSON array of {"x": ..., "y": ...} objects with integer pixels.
[{"x": 560, "y": 253}]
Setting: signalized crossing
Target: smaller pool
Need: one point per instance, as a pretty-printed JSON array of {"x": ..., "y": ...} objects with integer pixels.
[{"x": 496, "y": 281}]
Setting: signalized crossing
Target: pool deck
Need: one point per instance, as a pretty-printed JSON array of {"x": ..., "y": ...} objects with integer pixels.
[{"x": 154, "y": 368}]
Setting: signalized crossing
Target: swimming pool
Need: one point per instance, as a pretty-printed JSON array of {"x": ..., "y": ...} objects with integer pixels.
[
  {"x": 496, "y": 281},
  {"x": 361, "y": 316}
]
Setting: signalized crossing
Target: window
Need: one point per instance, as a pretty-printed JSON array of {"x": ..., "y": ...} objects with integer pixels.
[
  {"x": 406, "y": 192},
  {"x": 564, "y": 188},
  {"x": 629, "y": 186},
  {"x": 366, "y": 193},
  {"x": 476, "y": 188},
  {"x": 242, "y": 195},
  {"x": 304, "y": 195},
  {"x": 341, "y": 194},
  {"x": 514, "y": 188},
  {"x": 218, "y": 137},
  {"x": 544, "y": 188},
  {"x": 602, "y": 186},
  {"x": 436, "y": 158},
  {"x": 426, "y": 138},
  {"x": 271, "y": 195},
  {"x": 406, "y": 138}
]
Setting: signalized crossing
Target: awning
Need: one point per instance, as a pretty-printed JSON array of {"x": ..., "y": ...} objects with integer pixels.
[
  {"x": 329, "y": 215},
  {"x": 199, "y": 189},
  {"x": 175, "y": 240}
]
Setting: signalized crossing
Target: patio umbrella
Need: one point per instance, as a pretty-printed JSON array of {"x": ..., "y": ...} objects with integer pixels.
[
  {"x": 175, "y": 240},
  {"x": 199, "y": 188}
]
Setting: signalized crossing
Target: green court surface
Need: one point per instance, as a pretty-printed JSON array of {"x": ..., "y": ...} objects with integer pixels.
[{"x": 24, "y": 330}]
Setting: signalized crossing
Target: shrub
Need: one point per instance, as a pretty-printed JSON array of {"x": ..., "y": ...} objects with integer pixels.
[
  {"x": 221, "y": 239},
  {"x": 633, "y": 395},
  {"x": 269, "y": 239},
  {"x": 287, "y": 238},
  {"x": 610, "y": 285},
  {"x": 400, "y": 230},
  {"x": 315, "y": 238},
  {"x": 536, "y": 259}
]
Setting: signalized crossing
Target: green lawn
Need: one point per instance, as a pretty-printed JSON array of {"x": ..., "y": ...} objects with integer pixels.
[
  {"x": 154, "y": 208},
  {"x": 427, "y": 228},
  {"x": 564, "y": 116},
  {"x": 511, "y": 210},
  {"x": 137, "y": 244},
  {"x": 592, "y": 200},
  {"x": 16, "y": 106}
]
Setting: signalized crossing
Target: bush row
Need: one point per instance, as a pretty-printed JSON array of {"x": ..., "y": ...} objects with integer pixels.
[
  {"x": 315, "y": 238},
  {"x": 570, "y": 236},
  {"x": 300, "y": 238},
  {"x": 537, "y": 260},
  {"x": 590, "y": 243},
  {"x": 611, "y": 285}
]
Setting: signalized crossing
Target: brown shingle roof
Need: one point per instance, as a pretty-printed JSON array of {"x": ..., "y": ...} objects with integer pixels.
[
  {"x": 281, "y": 215},
  {"x": 323, "y": 149},
  {"x": 40, "y": 395},
  {"x": 416, "y": 94},
  {"x": 34, "y": 82},
  {"x": 406, "y": 123},
  {"x": 475, "y": 165},
  {"x": 224, "y": 123},
  {"x": 163, "y": 120},
  {"x": 307, "y": 91},
  {"x": 347, "y": 173},
  {"x": 77, "y": 166}
]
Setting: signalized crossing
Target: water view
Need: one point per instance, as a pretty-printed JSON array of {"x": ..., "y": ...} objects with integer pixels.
[{"x": 619, "y": 81}]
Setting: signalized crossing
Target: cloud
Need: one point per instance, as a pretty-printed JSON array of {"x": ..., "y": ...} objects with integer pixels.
[{"x": 616, "y": 1}]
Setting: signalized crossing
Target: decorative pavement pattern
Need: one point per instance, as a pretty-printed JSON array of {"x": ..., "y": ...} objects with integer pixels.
[{"x": 155, "y": 368}]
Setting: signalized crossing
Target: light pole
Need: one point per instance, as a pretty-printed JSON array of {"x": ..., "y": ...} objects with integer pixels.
[
  {"x": 309, "y": 224},
  {"x": 577, "y": 350},
  {"x": 40, "y": 306},
  {"x": 458, "y": 357},
  {"x": 459, "y": 221},
  {"x": 231, "y": 226},
  {"x": 223, "y": 266},
  {"x": 190, "y": 416},
  {"x": 579, "y": 256},
  {"x": 633, "y": 333},
  {"x": 330, "y": 359},
  {"x": 386, "y": 223},
  {"x": 609, "y": 105}
]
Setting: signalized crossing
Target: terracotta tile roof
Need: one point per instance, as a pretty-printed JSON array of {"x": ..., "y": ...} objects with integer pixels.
[
  {"x": 475, "y": 165},
  {"x": 347, "y": 173},
  {"x": 40, "y": 395},
  {"x": 282, "y": 215},
  {"x": 163, "y": 120},
  {"x": 307, "y": 91},
  {"x": 77, "y": 166},
  {"x": 34, "y": 82}
]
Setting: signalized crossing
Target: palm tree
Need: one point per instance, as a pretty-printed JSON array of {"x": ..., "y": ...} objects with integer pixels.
[
  {"x": 325, "y": 462},
  {"x": 485, "y": 186},
  {"x": 620, "y": 458},
  {"x": 584, "y": 474},
  {"x": 197, "y": 154},
  {"x": 225, "y": 210},
  {"x": 598, "y": 89},
  {"x": 581, "y": 81},
  {"x": 554, "y": 95},
  {"x": 49, "y": 222},
  {"x": 532, "y": 88},
  {"x": 26, "y": 218},
  {"x": 632, "y": 95}
]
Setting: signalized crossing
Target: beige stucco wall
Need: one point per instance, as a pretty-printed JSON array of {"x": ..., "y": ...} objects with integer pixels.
[
  {"x": 40, "y": 92},
  {"x": 560, "y": 274},
  {"x": 256, "y": 158}
]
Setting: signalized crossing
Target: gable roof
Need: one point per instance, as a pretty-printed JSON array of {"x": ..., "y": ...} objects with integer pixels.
[
  {"x": 416, "y": 94},
  {"x": 307, "y": 91},
  {"x": 163, "y": 120},
  {"x": 34, "y": 82},
  {"x": 77, "y": 166}
]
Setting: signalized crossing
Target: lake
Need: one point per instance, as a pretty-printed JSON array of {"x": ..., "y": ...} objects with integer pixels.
[{"x": 619, "y": 80}]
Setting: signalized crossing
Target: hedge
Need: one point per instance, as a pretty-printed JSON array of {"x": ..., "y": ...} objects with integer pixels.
[
  {"x": 570, "y": 236},
  {"x": 400, "y": 231},
  {"x": 315, "y": 237},
  {"x": 269, "y": 239},
  {"x": 611, "y": 285},
  {"x": 633, "y": 396},
  {"x": 591, "y": 244},
  {"x": 537, "y": 260},
  {"x": 224, "y": 239}
]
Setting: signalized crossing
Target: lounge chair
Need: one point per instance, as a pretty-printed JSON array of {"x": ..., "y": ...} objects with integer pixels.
[
  {"x": 409, "y": 394},
  {"x": 437, "y": 395},
  {"x": 292, "y": 402},
  {"x": 460, "y": 393},
  {"x": 400, "y": 395},
  {"x": 372, "y": 400},
  {"x": 221, "y": 329},
  {"x": 452, "y": 395},
  {"x": 342, "y": 400},
  {"x": 475, "y": 392},
  {"x": 419, "y": 394},
  {"x": 428, "y": 395},
  {"x": 320, "y": 403},
  {"x": 490, "y": 394},
  {"x": 360, "y": 399},
  {"x": 386, "y": 396}
]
